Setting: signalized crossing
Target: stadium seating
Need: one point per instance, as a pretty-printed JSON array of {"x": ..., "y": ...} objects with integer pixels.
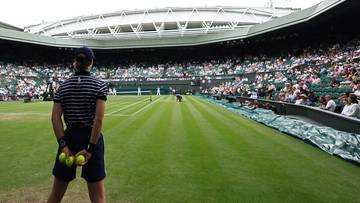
[{"x": 332, "y": 71}]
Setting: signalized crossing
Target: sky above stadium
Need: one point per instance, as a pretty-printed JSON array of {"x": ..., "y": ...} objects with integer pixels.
[{"x": 21, "y": 13}]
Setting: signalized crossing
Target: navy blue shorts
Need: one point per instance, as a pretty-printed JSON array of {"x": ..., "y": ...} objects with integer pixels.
[{"x": 77, "y": 139}]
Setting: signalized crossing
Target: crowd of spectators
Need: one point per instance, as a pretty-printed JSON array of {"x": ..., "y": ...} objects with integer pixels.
[
  {"x": 20, "y": 81},
  {"x": 327, "y": 78},
  {"x": 313, "y": 76}
]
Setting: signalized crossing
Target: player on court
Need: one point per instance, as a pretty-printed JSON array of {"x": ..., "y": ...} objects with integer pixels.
[
  {"x": 158, "y": 91},
  {"x": 139, "y": 91},
  {"x": 81, "y": 100}
]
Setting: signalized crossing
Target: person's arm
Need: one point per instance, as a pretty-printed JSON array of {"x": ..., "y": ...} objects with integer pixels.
[
  {"x": 96, "y": 130},
  {"x": 344, "y": 110},
  {"x": 99, "y": 114},
  {"x": 56, "y": 121},
  {"x": 353, "y": 110},
  {"x": 98, "y": 121},
  {"x": 58, "y": 128},
  {"x": 328, "y": 105}
]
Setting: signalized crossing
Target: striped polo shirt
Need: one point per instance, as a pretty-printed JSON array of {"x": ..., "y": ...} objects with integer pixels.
[{"x": 78, "y": 95}]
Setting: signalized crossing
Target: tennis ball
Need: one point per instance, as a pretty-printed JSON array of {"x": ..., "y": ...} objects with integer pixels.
[
  {"x": 80, "y": 160},
  {"x": 69, "y": 161},
  {"x": 62, "y": 157}
]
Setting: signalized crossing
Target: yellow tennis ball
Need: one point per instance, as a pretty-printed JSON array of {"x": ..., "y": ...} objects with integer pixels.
[
  {"x": 62, "y": 157},
  {"x": 80, "y": 160},
  {"x": 69, "y": 161}
]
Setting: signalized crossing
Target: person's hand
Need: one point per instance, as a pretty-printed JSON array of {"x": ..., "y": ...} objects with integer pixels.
[
  {"x": 86, "y": 154},
  {"x": 67, "y": 151}
]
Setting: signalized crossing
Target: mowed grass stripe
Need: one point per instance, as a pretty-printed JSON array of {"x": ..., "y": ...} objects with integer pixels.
[
  {"x": 135, "y": 103},
  {"x": 20, "y": 107},
  {"x": 114, "y": 126},
  {"x": 308, "y": 169},
  {"x": 128, "y": 110},
  {"x": 231, "y": 157},
  {"x": 27, "y": 148},
  {"x": 233, "y": 152},
  {"x": 176, "y": 180},
  {"x": 138, "y": 108},
  {"x": 239, "y": 129},
  {"x": 116, "y": 102},
  {"x": 207, "y": 174},
  {"x": 151, "y": 153},
  {"x": 155, "y": 100},
  {"x": 136, "y": 155},
  {"x": 251, "y": 172},
  {"x": 114, "y": 105}
]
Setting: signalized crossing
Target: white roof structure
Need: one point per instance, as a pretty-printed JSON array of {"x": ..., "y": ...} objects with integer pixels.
[
  {"x": 164, "y": 27},
  {"x": 158, "y": 23},
  {"x": 8, "y": 26}
]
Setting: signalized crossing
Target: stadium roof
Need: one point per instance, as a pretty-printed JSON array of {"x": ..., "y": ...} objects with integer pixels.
[
  {"x": 71, "y": 29},
  {"x": 158, "y": 23},
  {"x": 10, "y": 27}
]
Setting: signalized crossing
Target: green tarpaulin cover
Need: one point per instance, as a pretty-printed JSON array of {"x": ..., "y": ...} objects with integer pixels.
[{"x": 334, "y": 142}]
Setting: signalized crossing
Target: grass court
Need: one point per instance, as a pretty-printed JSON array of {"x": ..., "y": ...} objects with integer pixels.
[{"x": 165, "y": 151}]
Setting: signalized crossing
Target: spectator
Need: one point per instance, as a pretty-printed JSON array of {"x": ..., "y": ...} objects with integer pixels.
[
  {"x": 353, "y": 109},
  {"x": 287, "y": 88},
  {"x": 334, "y": 83},
  {"x": 357, "y": 90},
  {"x": 254, "y": 95},
  {"x": 330, "y": 104},
  {"x": 312, "y": 98},
  {"x": 256, "y": 104},
  {"x": 322, "y": 101},
  {"x": 302, "y": 100},
  {"x": 347, "y": 103}
]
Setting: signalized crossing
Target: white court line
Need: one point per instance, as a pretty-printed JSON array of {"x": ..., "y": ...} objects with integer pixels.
[
  {"x": 142, "y": 108},
  {"x": 117, "y": 105},
  {"x": 125, "y": 107}
]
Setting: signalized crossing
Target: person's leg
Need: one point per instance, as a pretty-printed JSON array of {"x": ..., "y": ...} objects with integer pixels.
[
  {"x": 58, "y": 191},
  {"x": 94, "y": 173},
  {"x": 97, "y": 192}
]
